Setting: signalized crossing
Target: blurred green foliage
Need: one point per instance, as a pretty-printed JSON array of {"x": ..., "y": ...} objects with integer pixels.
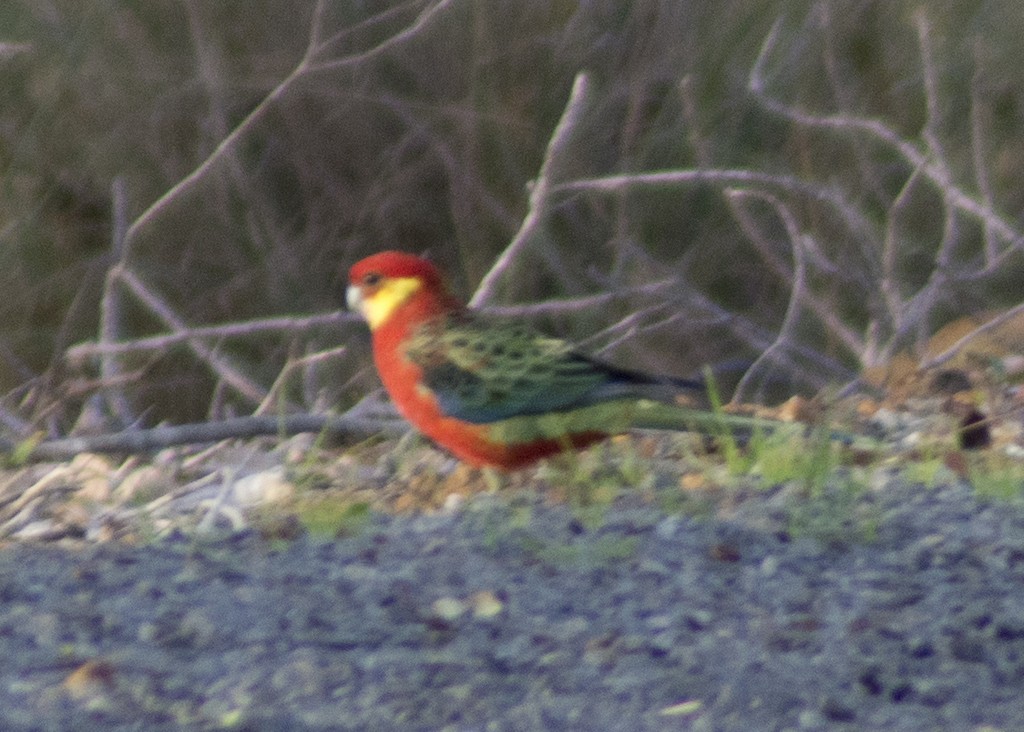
[{"x": 418, "y": 129}]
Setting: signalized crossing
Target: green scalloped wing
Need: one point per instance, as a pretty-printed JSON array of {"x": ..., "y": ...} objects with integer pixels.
[{"x": 484, "y": 371}]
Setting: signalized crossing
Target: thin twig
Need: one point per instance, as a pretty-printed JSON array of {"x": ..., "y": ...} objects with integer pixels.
[
  {"x": 946, "y": 355},
  {"x": 423, "y": 20},
  {"x": 933, "y": 119},
  {"x": 244, "y": 328},
  {"x": 918, "y": 307},
  {"x": 316, "y": 25},
  {"x": 222, "y": 366},
  {"x": 981, "y": 170},
  {"x": 289, "y": 367},
  {"x": 798, "y": 287},
  {"x": 582, "y": 303},
  {"x": 226, "y": 145},
  {"x": 111, "y": 307},
  {"x": 889, "y": 284},
  {"x": 855, "y": 219},
  {"x": 916, "y": 158},
  {"x": 928, "y": 163},
  {"x": 540, "y": 189},
  {"x": 158, "y": 438},
  {"x": 820, "y": 307},
  {"x": 824, "y": 368}
]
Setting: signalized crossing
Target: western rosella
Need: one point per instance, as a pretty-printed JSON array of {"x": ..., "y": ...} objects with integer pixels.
[{"x": 495, "y": 392}]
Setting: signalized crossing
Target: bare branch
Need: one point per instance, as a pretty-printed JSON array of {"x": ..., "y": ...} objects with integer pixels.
[
  {"x": 158, "y": 438},
  {"x": 931, "y": 89},
  {"x": 246, "y": 328},
  {"x": 111, "y": 306},
  {"x": 889, "y": 285},
  {"x": 855, "y": 219},
  {"x": 539, "y": 192},
  {"x": 916, "y": 158},
  {"x": 797, "y": 290},
  {"x": 316, "y": 30},
  {"x": 220, "y": 364},
  {"x": 580, "y": 304},
  {"x": 427, "y": 16},
  {"x": 824, "y": 312},
  {"x": 978, "y": 156},
  {"x": 950, "y": 352},
  {"x": 228, "y": 143},
  {"x": 270, "y": 401}
]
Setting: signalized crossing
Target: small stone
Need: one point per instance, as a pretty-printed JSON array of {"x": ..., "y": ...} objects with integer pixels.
[
  {"x": 141, "y": 485},
  {"x": 812, "y": 719},
  {"x": 486, "y": 604},
  {"x": 91, "y": 679},
  {"x": 93, "y": 473},
  {"x": 268, "y": 486},
  {"x": 682, "y": 708},
  {"x": 448, "y": 608}
]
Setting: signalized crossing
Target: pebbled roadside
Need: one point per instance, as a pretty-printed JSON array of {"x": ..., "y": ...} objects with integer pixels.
[{"x": 509, "y": 615}]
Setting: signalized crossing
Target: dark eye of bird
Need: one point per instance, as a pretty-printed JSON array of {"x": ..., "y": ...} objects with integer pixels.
[{"x": 372, "y": 279}]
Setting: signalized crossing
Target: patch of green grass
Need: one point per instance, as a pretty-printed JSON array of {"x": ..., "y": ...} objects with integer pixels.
[
  {"x": 674, "y": 501},
  {"x": 309, "y": 473},
  {"x": 929, "y": 471},
  {"x": 782, "y": 456},
  {"x": 588, "y": 554},
  {"x": 738, "y": 462},
  {"x": 997, "y": 477},
  {"x": 591, "y": 480},
  {"x": 23, "y": 450},
  {"x": 833, "y": 512},
  {"x": 327, "y": 517},
  {"x": 498, "y": 525}
]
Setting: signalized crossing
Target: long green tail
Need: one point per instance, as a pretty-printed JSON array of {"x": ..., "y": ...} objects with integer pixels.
[{"x": 616, "y": 417}]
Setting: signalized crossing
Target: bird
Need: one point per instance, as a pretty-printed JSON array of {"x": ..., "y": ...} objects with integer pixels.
[{"x": 497, "y": 392}]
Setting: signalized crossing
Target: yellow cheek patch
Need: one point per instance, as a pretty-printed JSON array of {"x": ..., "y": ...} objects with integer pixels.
[{"x": 379, "y": 306}]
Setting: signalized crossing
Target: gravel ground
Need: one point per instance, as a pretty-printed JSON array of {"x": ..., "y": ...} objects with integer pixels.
[{"x": 509, "y": 614}]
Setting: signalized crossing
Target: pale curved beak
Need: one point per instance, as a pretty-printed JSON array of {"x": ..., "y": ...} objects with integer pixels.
[{"x": 354, "y": 299}]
